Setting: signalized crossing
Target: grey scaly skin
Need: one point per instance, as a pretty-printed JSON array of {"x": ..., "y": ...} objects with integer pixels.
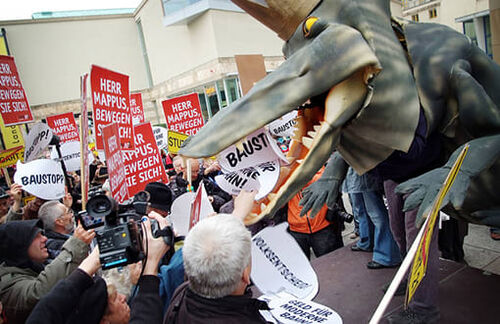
[{"x": 373, "y": 88}]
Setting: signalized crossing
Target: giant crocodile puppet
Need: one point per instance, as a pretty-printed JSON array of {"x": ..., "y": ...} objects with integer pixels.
[{"x": 365, "y": 78}]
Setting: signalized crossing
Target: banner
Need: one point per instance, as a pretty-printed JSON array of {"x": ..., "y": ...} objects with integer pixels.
[
  {"x": 144, "y": 164},
  {"x": 114, "y": 162},
  {"x": 64, "y": 126},
  {"x": 194, "y": 215},
  {"x": 258, "y": 148},
  {"x": 285, "y": 125},
  {"x": 37, "y": 140},
  {"x": 12, "y": 135},
  {"x": 14, "y": 106},
  {"x": 161, "y": 136},
  {"x": 183, "y": 114},
  {"x": 71, "y": 155},
  {"x": 278, "y": 263},
  {"x": 110, "y": 101},
  {"x": 11, "y": 156},
  {"x": 287, "y": 309},
  {"x": 43, "y": 178},
  {"x": 180, "y": 215},
  {"x": 263, "y": 178},
  {"x": 136, "y": 108},
  {"x": 175, "y": 141}
]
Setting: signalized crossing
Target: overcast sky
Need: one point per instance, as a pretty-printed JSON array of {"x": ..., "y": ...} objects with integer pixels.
[{"x": 22, "y": 9}]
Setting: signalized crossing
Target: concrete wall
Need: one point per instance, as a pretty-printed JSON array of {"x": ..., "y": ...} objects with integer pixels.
[{"x": 52, "y": 54}]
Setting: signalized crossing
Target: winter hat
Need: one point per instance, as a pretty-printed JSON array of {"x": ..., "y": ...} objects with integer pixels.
[{"x": 160, "y": 195}]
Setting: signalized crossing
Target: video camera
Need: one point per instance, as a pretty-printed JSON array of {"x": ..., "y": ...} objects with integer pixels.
[{"x": 118, "y": 228}]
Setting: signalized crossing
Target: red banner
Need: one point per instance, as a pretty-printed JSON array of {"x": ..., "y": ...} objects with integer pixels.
[
  {"x": 110, "y": 99},
  {"x": 14, "y": 106},
  {"x": 64, "y": 126},
  {"x": 136, "y": 108},
  {"x": 195, "y": 212},
  {"x": 114, "y": 162},
  {"x": 183, "y": 114},
  {"x": 144, "y": 165}
]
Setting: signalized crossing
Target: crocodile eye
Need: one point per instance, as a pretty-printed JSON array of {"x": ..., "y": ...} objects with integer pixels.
[{"x": 307, "y": 26}]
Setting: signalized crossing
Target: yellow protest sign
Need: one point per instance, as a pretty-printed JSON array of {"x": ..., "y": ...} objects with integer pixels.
[
  {"x": 419, "y": 266},
  {"x": 175, "y": 140},
  {"x": 12, "y": 136},
  {"x": 10, "y": 157}
]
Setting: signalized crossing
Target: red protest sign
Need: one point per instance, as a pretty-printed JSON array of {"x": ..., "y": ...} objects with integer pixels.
[
  {"x": 183, "y": 114},
  {"x": 143, "y": 165},
  {"x": 195, "y": 212},
  {"x": 114, "y": 162},
  {"x": 110, "y": 99},
  {"x": 136, "y": 108},
  {"x": 13, "y": 103},
  {"x": 64, "y": 126}
]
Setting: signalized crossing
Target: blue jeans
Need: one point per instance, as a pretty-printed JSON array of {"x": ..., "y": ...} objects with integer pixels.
[{"x": 374, "y": 229}]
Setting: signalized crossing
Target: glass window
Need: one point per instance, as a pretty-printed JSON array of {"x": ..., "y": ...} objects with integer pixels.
[
  {"x": 487, "y": 31},
  {"x": 233, "y": 92},
  {"x": 213, "y": 101},
  {"x": 222, "y": 94},
  {"x": 470, "y": 31},
  {"x": 433, "y": 13},
  {"x": 414, "y": 17}
]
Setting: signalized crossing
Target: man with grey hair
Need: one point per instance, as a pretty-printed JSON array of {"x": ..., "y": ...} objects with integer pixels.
[
  {"x": 217, "y": 262},
  {"x": 58, "y": 223}
]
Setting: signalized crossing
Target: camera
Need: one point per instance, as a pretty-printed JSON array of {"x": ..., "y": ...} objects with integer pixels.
[
  {"x": 119, "y": 230},
  {"x": 340, "y": 213}
]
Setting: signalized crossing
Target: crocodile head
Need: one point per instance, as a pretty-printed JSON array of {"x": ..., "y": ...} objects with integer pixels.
[{"x": 346, "y": 62}]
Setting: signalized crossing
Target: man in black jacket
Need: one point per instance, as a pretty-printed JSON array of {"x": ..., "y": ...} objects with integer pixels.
[{"x": 58, "y": 223}]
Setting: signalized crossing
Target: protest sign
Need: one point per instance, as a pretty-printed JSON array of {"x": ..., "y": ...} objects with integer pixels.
[
  {"x": 262, "y": 177},
  {"x": 285, "y": 125},
  {"x": 161, "y": 136},
  {"x": 12, "y": 136},
  {"x": 84, "y": 140},
  {"x": 196, "y": 207},
  {"x": 14, "y": 106},
  {"x": 11, "y": 156},
  {"x": 136, "y": 108},
  {"x": 175, "y": 141},
  {"x": 64, "y": 126},
  {"x": 183, "y": 114},
  {"x": 144, "y": 164},
  {"x": 278, "y": 263},
  {"x": 36, "y": 141},
  {"x": 114, "y": 162},
  {"x": 43, "y": 178},
  {"x": 110, "y": 99},
  {"x": 71, "y": 154},
  {"x": 181, "y": 211},
  {"x": 258, "y": 148},
  {"x": 287, "y": 309}
]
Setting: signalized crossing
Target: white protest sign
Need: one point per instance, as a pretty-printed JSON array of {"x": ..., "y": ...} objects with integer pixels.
[
  {"x": 42, "y": 178},
  {"x": 71, "y": 153},
  {"x": 262, "y": 177},
  {"x": 287, "y": 309},
  {"x": 161, "y": 136},
  {"x": 180, "y": 212},
  {"x": 285, "y": 125},
  {"x": 258, "y": 148},
  {"x": 36, "y": 141},
  {"x": 279, "y": 264}
]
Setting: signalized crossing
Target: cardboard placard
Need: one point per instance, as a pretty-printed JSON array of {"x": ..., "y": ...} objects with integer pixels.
[
  {"x": 43, "y": 178},
  {"x": 12, "y": 135},
  {"x": 14, "y": 106},
  {"x": 110, "y": 103},
  {"x": 181, "y": 211},
  {"x": 278, "y": 263},
  {"x": 144, "y": 164},
  {"x": 11, "y": 156},
  {"x": 194, "y": 215},
  {"x": 64, "y": 126},
  {"x": 258, "y": 148},
  {"x": 71, "y": 155},
  {"x": 36, "y": 141},
  {"x": 114, "y": 162},
  {"x": 161, "y": 136},
  {"x": 183, "y": 114},
  {"x": 175, "y": 140},
  {"x": 263, "y": 178},
  {"x": 137, "y": 108},
  {"x": 285, "y": 125}
]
